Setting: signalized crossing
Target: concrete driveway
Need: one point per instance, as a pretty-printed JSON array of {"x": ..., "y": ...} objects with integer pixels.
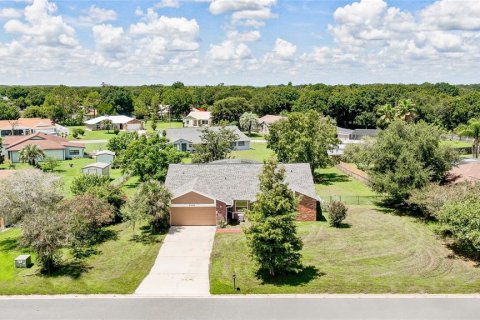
[{"x": 182, "y": 264}]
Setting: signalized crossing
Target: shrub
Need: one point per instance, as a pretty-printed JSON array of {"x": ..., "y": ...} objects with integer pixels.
[
  {"x": 461, "y": 220},
  {"x": 337, "y": 212},
  {"x": 116, "y": 131},
  {"x": 75, "y": 133},
  {"x": 81, "y": 131}
]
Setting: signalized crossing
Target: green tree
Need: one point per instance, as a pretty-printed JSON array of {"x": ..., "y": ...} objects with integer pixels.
[
  {"x": 406, "y": 110},
  {"x": 9, "y": 111},
  {"x": 115, "y": 100},
  {"x": 303, "y": 137},
  {"x": 229, "y": 109},
  {"x": 216, "y": 145},
  {"x": 119, "y": 143},
  {"x": 272, "y": 235},
  {"x": 472, "y": 130},
  {"x": 248, "y": 121},
  {"x": 387, "y": 114},
  {"x": 151, "y": 202},
  {"x": 83, "y": 183},
  {"x": 406, "y": 157},
  {"x": 50, "y": 164},
  {"x": 31, "y": 154},
  {"x": 36, "y": 112},
  {"x": 179, "y": 100},
  {"x": 148, "y": 157}
]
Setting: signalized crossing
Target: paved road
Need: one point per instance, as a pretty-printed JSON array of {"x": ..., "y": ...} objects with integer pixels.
[
  {"x": 241, "y": 308},
  {"x": 181, "y": 267}
]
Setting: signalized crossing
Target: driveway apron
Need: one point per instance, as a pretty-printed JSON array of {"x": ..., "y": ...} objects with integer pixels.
[{"x": 182, "y": 264}]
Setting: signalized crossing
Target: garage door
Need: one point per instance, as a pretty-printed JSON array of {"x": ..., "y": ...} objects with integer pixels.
[
  {"x": 134, "y": 126},
  {"x": 199, "y": 216}
]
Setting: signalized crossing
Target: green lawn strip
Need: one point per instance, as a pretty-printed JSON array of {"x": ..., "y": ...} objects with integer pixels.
[
  {"x": 457, "y": 144},
  {"x": 258, "y": 152},
  {"x": 90, "y": 147},
  {"x": 119, "y": 266},
  {"x": 376, "y": 253},
  {"x": 162, "y": 125},
  {"x": 91, "y": 135}
]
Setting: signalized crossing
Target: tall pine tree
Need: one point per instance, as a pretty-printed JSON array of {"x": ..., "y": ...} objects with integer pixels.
[{"x": 272, "y": 236}]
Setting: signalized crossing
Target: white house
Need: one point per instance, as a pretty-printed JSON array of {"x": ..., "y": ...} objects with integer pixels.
[
  {"x": 104, "y": 156},
  {"x": 198, "y": 119},
  {"x": 121, "y": 122},
  {"x": 26, "y": 126},
  {"x": 98, "y": 168},
  {"x": 184, "y": 139}
]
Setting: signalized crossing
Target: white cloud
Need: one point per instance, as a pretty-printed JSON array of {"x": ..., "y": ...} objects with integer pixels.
[
  {"x": 453, "y": 15},
  {"x": 10, "y": 13},
  {"x": 98, "y": 15},
  {"x": 282, "y": 52},
  {"x": 249, "y": 36},
  {"x": 168, "y": 4},
  {"x": 250, "y": 13},
  {"x": 42, "y": 27}
]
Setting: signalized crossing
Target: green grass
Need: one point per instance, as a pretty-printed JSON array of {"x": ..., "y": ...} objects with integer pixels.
[
  {"x": 119, "y": 266},
  {"x": 90, "y": 147},
  {"x": 374, "y": 253},
  {"x": 163, "y": 125},
  {"x": 91, "y": 135},
  {"x": 258, "y": 152},
  {"x": 68, "y": 170},
  {"x": 332, "y": 183},
  {"x": 456, "y": 144}
]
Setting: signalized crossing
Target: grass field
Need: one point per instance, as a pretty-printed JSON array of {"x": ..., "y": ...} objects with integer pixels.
[
  {"x": 118, "y": 266},
  {"x": 374, "y": 252},
  {"x": 163, "y": 125},
  {"x": 91, "y": 135},
  {"x": 258, "y": 152},
  {"x": 68, "y": 170},
  {"x": 456, "y": 144}
]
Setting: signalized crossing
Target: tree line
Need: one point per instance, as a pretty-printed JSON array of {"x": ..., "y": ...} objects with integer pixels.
[{"x": 352, "y": 106}]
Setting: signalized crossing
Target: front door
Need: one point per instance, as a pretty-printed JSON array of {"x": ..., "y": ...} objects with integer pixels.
[{"x": 184, "y": 147}]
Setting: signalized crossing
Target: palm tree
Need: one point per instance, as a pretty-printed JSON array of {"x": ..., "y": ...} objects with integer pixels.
[
  {"x": 471, "y": 129},
  {"x": 386, "y": 113},
  {"x": 31, "y": 153},
  {"x": 248, "y": 121},
  {"x": 406, "y": 110}
]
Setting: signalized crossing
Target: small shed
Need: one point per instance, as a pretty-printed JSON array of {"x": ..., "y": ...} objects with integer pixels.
[
  {"x": 98, "y": 168},
  {"x": 105, "y": 156}
]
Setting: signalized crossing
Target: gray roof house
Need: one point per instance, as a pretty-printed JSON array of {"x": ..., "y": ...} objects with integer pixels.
[
  {"x": 184, "y": 138},
  {"x": 204, "y": 194},
  {"x": 358, "y": 134}
]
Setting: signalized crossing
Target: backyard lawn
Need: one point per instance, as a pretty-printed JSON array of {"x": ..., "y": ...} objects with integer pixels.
[
  {"x": 375, "y": 252},
  {"x": 118, "y": 266},
  {"x": 91, "y": 135},
  {"x": 258, "y": 152},
  {"x": 163, "y": 125}
]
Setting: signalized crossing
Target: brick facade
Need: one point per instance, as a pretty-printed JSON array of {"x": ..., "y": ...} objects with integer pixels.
[
  {"x": 307, "y": 208},
  {"x": 221, "y": 210}
]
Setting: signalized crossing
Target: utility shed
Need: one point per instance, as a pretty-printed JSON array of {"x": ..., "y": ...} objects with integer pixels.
[{"x": 98, "y": 168}]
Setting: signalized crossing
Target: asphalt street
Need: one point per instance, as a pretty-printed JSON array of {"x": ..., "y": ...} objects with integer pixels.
[{"x": 251, "y": 308}]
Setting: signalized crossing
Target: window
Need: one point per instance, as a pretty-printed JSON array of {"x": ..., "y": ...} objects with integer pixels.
[
  {"x": 74, "y": 152},
  {"x": 241, "y": 143},
  {"x": 241, "y": 205}
]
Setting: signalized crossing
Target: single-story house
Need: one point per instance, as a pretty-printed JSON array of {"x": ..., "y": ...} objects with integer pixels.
[
  {"x": 184, "y": 139},
  {"x": 53, "y": 146},
  {"x": 26, "y": 126},
  {"x": 266, "y": 121},
  {"x": 97, "y": 168},
  {"x": 120, "y": 122},
  {"x": 359, "y": 134},
  {"x": 104, "y": 156},
  {"x": 344, "y": 133},
  {"x": 204, "y": 194},
  {"x": 198, "y": 119}
]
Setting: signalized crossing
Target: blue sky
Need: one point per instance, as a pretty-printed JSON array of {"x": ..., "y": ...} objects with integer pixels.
[{"x": 255, "y": 42}]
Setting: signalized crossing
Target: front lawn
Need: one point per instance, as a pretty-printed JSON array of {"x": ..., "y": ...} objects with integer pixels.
[
  {"x": 118, "y": 266},
  {"x": 91, "y": 135},
  {"x": 373, "y": 253}
]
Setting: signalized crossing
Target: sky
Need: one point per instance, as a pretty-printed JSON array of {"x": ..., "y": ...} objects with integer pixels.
[{"x": 244, "y": 42}]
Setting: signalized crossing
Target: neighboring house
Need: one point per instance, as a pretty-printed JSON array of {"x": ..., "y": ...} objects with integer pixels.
[
  {"x": 53, "y": 146},
  {"x": 89, "y": 113},
  {"x": 120, "y": 122},
  {"x": 198, "y": 119},
  {"x": 344, "y": 134},
  {"x": 359, "y": 134},
  {"x": 184, "y": 139},
  {"x": 204, "y": 194},
  {"x": 164, "y": 111},
  {"x": 104, "y": 156},
  {"x": 26, "y": 126},
  {"x": 97, "y": 168},
  {"x": 266, "y": 121}
]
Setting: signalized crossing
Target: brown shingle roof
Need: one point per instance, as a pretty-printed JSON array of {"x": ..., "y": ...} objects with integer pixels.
[
  {"x": 43, "y": 141},
  {"x": 270, "y": 118}
]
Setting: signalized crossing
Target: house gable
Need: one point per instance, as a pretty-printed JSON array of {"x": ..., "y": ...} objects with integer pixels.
[{"x": 193, "y": 197}]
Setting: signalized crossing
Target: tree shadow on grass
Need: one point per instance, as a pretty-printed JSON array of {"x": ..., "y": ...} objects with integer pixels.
[
  {"x": 148, "y": 235},
  {"x": 328, "y": 179},
  {"x": 464, "y": 253},
  {"x": 391, "y": 206},
  {"x": 344, "y": 226},
  {"x": 307, "y": 274},
  {"x": 73, "y": 269},
  {"x": 9, "y": 244}
]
